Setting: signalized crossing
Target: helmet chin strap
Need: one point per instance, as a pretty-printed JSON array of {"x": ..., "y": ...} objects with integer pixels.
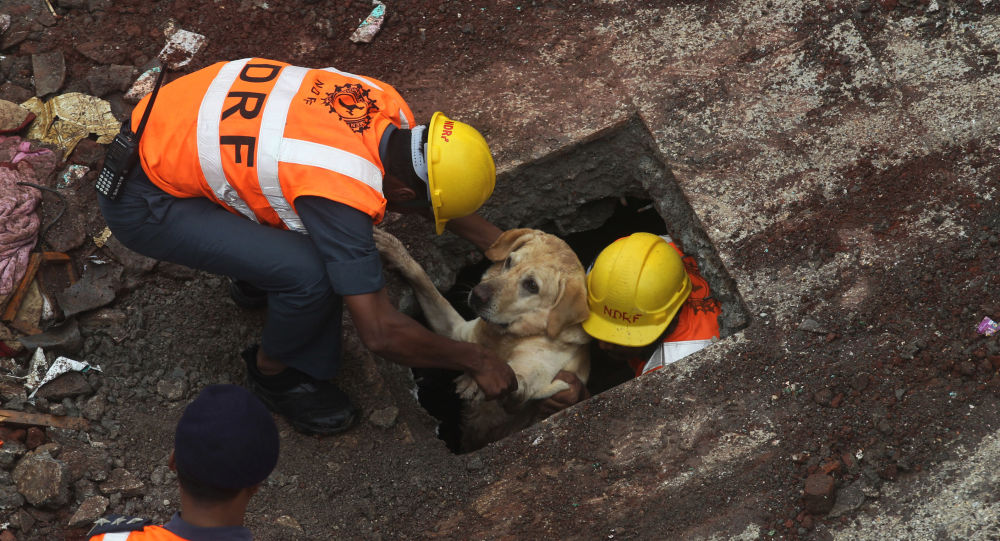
[{"x": 418, "y": 153}]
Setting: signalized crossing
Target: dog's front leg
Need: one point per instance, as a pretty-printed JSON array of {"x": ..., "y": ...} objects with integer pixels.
[{"x": 441, "y": 315}]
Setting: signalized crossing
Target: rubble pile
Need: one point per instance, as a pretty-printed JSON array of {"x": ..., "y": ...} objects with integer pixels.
[{"x": 58, "y": 471}]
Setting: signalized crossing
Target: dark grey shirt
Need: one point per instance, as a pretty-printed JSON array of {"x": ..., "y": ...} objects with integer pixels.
[
  {"x": 178, "y": 526},
  {"x": 343, "y": 236}
]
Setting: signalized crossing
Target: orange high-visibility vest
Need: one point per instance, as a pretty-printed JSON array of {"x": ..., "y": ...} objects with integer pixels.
[
  {"x": 148, "y": 533},
  {"x": 254, "y": 134},
  {"x": 697, "y": 323}
]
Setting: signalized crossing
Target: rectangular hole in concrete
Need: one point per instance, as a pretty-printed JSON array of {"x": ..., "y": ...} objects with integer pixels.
[{"x": 609, "y": 186}]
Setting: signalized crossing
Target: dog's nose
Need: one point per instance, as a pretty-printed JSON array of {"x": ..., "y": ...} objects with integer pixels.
[{"x": 480, "y": 296}]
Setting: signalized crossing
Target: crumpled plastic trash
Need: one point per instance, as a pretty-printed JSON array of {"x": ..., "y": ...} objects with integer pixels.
[
  {"x": 371, "y": 25},
  {"x": 73, "y": 173},
  {"x": 987, "y": 326},
  {"x": 67, "y": 119},
  {"x": 59, "y": 367}
]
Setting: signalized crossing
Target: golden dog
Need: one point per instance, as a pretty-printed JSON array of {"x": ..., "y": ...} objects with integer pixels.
[{"x": 530, "y": 302}]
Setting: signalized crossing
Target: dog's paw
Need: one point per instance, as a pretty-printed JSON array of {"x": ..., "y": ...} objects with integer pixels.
[
  {"x": 393, "y": 251},
  {"x": 467, "y": 388}
]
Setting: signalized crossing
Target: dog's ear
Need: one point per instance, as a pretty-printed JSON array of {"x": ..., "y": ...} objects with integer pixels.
[
  {"x": 570, "y": 308},
  {"x": 507, "y": 242}
]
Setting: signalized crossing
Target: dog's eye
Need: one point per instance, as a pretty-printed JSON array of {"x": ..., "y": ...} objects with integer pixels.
[
  {"x": 507, "y": 263},
  {"x": 530, "y": 285}
]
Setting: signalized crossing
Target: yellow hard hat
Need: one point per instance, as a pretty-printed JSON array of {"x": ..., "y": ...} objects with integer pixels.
[
  {"x": 460, "y": 170},
  {"x": 634, "y": 289}
]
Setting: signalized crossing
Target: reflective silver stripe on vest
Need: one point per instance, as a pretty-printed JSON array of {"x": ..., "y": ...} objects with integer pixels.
[
  {"x": 116, "y": 536},
  {"x": 209, "y": 149},
  {"x": 404, "y": 122},
  {"x": 272, "y": 132},
  {"x": 332, "y": 159},
  {"x": 272, "y": 147}
]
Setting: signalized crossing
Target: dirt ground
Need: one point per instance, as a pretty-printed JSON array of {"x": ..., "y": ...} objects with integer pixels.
[{"x": 863, "y": 364}]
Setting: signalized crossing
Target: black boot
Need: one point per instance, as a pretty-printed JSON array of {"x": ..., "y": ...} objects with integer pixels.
[{"x": 312, "y": 406}]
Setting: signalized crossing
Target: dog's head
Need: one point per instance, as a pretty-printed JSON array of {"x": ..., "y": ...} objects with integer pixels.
[{"x": 536, "y": 285}]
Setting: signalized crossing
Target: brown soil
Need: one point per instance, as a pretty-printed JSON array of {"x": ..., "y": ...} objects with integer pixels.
[{"x": 902, "y": 379}]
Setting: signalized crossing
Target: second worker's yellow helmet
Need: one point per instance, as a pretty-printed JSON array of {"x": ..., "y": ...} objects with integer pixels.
[
  {"x": 634, "y": 289},
  {"x": 460, "y": 170}
]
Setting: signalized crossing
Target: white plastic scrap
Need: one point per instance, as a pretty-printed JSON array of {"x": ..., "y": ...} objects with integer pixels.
[
  {"x": 59, "y": 367},
  {"x": 181, "y": 48},
  {"x": 371, "y": 25},
  {"x": 36, "y": 370},
  {"x": 143, "y": 85}
]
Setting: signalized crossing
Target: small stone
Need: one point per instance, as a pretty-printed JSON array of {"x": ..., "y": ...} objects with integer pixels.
[
  {"x": 474, "y": 464},
  {"x": 15, "y": 93},
  {"x": 823, "y": 397},
  {"x": 288, "y": 522},
  {"x": 42, "y": 480},
  {"x": 94, "y": 290},
  {"x": 68, "y": 385},
  {"x": 64, "y": 339},
  {"x": 123, "y": 482},
  {"x": 89, "y": 511},
  {"x": 49, "y": 72},
  {"x": 94, "y": 407},
  {"x": 848, "y": 499},
  {"x": 385, "y": 417},
  {"x": 10, "y": 498},
  {"x": 811, "y": 325},
  {"x": 819, "y": 493},
  {"x": 172, "y": 389},
  {"x": 10, "y": 452},
  {"x": 13, "y": 117},
  {"x": 104, "y": 80},
  {"x": 36, "y": 437}
]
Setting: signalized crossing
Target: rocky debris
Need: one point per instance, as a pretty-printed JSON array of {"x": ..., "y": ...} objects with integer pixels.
[
  {"x": 849, "y": 499},
  {"x": 132, "y": 261},
  {"x": 11, "y": 451},
  {"x": 818, "y": 496},
  {"x": 14, "y": 93},
  {"x": 13, "y": 117},
  {"x": 109, "y": 321},
  {"x": 95, "y": 289},
  {"x": 288, "y": 522},
  {"x": 68, "y": 385},
  {"x": 122, "y": 482},
  {"x": 384, "y": 417},
  {"x": 49, "y": 72},
  {"x": 94, "y": 407},
  {"x": 10, "y": 498},
  {"x": 35, "y": 438},
  {"x": 41, "y": 479},
  {"x": 89, "y": 511},
  {"x": 173, "y": 389},
  {"x": 63, "y": 338},
  {"x": 104, "y": 80}
]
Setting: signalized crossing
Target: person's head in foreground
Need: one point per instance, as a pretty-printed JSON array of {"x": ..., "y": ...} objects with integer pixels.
[{"x": 225, "y": 446}]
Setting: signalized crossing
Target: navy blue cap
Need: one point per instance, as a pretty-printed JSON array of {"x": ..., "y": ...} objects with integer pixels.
[{"x": 226, "y": 438}]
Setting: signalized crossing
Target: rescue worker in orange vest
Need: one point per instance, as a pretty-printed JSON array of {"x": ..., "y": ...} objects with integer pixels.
[
  {"x": 274, "y": 175},
  {"x": 649, "y": 307},
  {"x": 225, "y": 446}
]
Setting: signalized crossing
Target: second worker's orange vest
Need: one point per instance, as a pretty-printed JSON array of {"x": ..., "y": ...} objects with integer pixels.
[{"x": 254, "y": 134}]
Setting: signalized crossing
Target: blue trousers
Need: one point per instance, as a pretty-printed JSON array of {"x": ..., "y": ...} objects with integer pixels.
[{"x": 303, "y": 324}]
